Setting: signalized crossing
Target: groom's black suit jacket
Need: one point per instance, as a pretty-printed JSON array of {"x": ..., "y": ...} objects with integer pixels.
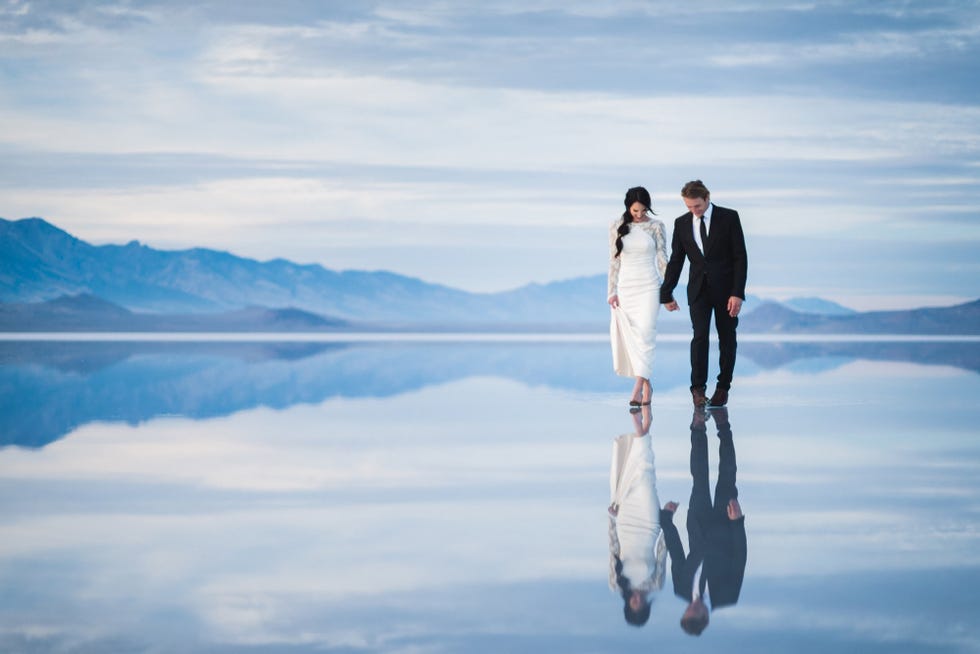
[{"x": 722, "y": 267}]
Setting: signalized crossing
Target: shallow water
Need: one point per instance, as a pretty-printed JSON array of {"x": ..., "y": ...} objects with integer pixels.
[{"x": 451, "y": 496}]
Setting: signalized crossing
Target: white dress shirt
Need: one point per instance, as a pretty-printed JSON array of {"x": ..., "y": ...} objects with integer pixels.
[
  {"x": 707, "y": 226},
  {"x": 696, "y": 584}
]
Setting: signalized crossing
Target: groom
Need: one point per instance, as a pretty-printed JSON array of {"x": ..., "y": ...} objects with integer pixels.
[{"x": 710, "y": 238}]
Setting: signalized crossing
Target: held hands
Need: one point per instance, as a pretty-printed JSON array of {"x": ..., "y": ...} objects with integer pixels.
[
  {"x": 734, "y": 305},
  {"x": 734, "y": 508},
  {"x": 614, "y": 301}
]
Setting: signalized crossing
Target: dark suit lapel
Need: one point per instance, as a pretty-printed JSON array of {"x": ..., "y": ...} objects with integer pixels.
[
  {"x": 688, "y": 231},
  {"x": 715, "y": 229}
]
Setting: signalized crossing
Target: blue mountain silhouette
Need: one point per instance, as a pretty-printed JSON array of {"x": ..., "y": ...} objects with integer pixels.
[
  {"x": 41, "y": 262},
  {"x": 50, "y": 280}
]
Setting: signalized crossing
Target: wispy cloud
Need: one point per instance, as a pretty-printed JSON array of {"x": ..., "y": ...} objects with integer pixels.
[
  {"x": 776, "y": 103},
  {"x": 866, "y": 46}
]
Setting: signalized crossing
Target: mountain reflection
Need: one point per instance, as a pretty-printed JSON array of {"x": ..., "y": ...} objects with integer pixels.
[
  {"x": 963, "y": 354},
  {"x": 51, "y": 388}
]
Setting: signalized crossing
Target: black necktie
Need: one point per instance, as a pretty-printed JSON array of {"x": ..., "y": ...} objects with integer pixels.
[{"x": 704, "y": 235}]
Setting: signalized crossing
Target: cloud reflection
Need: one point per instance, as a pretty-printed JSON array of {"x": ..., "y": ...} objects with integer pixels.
[{"x": 468, "y": 513}]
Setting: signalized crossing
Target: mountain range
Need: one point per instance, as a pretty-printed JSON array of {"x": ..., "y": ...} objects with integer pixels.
[
  {"x": 40, "y": 262},
  {"x": 53, "y": 281}
]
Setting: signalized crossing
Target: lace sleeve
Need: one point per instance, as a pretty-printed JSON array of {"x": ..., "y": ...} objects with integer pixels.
[
  {"x": 613, "y": 554},
  {"x": 660, "y": 237},
  {"x": 660, "y": 556},
  {"x": 613, "y": 259}
]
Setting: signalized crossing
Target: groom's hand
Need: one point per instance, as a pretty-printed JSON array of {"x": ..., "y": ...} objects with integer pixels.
[
  {"x": 672, "y": 305},
  {"x": 734, "y": 306}
]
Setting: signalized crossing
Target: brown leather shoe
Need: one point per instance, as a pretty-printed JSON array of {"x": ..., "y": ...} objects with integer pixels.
[
  {"x": 719, "y": 398},
  {"x": 697, "y": 394}
]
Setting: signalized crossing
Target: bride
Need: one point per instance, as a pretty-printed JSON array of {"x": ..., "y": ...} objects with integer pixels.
[{"x": 637, "y": 262}]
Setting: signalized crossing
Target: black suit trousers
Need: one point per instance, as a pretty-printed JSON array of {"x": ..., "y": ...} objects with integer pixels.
[{"x": 703, "y": 306}]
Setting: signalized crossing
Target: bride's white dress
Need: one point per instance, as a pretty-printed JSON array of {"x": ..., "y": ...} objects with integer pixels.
[
  {"x": 635, "y": 535},
  {"x": 635, "y": 276}
]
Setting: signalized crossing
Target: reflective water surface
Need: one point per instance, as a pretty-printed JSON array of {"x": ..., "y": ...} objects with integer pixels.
[{"x": 485, "y": 497}]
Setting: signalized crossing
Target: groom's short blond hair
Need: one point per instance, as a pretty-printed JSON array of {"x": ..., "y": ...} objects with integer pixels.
[{"x": 695, "y": 189}]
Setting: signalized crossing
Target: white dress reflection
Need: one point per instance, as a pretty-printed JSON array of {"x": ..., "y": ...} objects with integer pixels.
[{"x": 637, "y": 549}]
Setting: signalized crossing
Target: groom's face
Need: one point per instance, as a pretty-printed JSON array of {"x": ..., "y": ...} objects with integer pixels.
[{"x": 697, "y": 206}]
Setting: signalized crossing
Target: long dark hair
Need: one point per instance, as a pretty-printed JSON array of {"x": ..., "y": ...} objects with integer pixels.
[
  {"x": 639, "y": 617},
  {"x": 635, "y": 194}
]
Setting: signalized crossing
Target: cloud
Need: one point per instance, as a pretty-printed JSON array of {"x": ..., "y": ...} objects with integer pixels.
[
  {"x": 504, "y": 114},
  {"x": 868, "y": 46},
  {"x": 377, "y": 120}
]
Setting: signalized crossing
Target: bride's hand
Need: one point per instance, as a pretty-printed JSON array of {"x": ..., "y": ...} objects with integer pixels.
[{"x": 614, "y": 301}]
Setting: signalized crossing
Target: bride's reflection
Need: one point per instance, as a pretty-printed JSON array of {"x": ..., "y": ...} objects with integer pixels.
[
  {"x": 715, "y": 564},
  {"x": 637, "y": 550}
]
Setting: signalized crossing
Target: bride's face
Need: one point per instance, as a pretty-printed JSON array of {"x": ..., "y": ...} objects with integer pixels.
[{"x": 637, "y": 210}]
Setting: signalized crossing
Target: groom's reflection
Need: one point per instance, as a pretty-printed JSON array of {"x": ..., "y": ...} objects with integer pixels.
[
  {"x": 637, "y": 551},
  {"x": 712, "y": 570}
]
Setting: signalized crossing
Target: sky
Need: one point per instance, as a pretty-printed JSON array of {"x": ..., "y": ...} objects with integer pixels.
[{"x": 487, "y": 145}]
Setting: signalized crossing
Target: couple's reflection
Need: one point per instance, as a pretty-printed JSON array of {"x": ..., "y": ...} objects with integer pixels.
[{"x": 711, "y": 572}]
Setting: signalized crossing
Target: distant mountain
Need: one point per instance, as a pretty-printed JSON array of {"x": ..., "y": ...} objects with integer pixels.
[
  {"x": 89, "y": 313},
  {"x": 776, "y": 318},
  {"x": 51, "y": 280},
  {"x": 817, "y": 305},
  {"x": 38, "y": 262}
]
